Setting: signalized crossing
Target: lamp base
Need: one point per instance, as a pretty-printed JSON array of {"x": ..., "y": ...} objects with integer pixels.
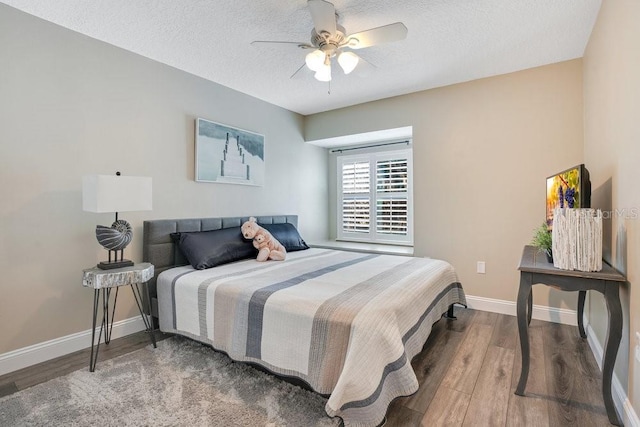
[{"x": 108, "y": 265}]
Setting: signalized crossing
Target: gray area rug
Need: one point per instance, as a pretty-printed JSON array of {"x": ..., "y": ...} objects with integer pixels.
[{"x": 181, "y": 383}]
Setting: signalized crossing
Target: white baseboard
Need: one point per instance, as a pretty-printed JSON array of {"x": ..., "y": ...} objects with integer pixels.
[
  {"x": 540, "y": 312},
  {"x": 623, "y": 404},
  {"x": 630, "y": 418},
  {"x": 41, "y": 352}
]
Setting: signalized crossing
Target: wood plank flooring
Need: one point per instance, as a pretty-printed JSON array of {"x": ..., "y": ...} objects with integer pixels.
[
  {"x": 469, "y": 369},
  {"x": 468, "y": 372}
]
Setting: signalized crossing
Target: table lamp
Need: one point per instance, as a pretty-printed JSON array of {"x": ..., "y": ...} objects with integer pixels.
[{"x": 115, "y": 193}]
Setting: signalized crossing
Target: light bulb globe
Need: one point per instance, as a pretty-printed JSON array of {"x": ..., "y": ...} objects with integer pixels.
[
  {"x": 324, "y": 73},
  {"x": 348, "y": 61},
  {"x": 315, "y": 60}
]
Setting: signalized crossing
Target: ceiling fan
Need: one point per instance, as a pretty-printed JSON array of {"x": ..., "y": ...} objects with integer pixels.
[{"x": 330, "y": 40}]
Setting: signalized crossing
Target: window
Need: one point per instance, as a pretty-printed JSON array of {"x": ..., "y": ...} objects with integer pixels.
[{"x": 374, "y": 197}]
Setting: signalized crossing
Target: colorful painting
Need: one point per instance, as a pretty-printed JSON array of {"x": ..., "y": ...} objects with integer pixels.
[
  {"x": 563, "y": 190},
  {"x": 228, "y": 155}
]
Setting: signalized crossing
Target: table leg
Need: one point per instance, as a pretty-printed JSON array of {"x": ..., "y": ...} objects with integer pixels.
[
  {"x": 148, "y": 322},
  {"x": 530, "y": 306},
  {"x": 150, "y": 317},
  {"x": 104, "y": 325},
  {"x": 582, "y": 295},
  {"x": 96, "y": 304},
  {"x": 109, "y": 325},
  {"x": 612, "y": 343},
  {"x": 524, "y": 301}
]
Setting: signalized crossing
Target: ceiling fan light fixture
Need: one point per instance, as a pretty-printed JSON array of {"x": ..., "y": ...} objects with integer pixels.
[
  {"x": 315, "y": 60},
  {"x": 348, "y": 61},
  {"x": 323, "y": 74}
]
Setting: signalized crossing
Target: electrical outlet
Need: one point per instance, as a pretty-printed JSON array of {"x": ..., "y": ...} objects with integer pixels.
[{"x": 481, "y": 267}]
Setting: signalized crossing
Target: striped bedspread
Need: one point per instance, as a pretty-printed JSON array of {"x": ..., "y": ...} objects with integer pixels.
[{"x": 347, "y": 323}]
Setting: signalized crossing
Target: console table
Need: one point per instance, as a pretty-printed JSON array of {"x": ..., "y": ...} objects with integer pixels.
[{"x": 535, "y": 269}]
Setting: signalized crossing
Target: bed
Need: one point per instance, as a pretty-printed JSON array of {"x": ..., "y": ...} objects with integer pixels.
[{"x": 345, "y": 323}]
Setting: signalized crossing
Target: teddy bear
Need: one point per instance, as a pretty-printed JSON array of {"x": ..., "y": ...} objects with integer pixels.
[{"x": 268, "y": 246}]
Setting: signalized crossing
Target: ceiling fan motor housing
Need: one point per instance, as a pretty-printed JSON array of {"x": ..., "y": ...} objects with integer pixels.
[{"x": 328, "y": 43}]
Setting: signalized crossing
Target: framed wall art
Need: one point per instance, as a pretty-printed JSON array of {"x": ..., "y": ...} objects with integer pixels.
[{"x": 228, "y": 155}]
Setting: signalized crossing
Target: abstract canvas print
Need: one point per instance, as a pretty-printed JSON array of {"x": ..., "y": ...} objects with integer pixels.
[{"x": 225, "y": 154}]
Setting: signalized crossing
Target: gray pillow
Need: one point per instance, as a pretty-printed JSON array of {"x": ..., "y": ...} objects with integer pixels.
[
  {"x": 206, "y": 249},
  {"x": 287, "y": 235}
]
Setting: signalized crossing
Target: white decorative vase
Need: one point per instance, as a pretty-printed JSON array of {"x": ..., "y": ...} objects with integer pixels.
[{"x": 577, "y": 239}]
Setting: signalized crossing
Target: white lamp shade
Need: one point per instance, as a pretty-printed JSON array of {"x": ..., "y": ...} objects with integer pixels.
[
  {"x": 112, "y": 193},
  {"x": 348, "y": 61},
  {"x": 324, "y": 73},
  {"x": 315, "y": 59}
]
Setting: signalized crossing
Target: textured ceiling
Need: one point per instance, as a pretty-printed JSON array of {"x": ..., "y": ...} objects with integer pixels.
[{"x": 449, "y": 41}]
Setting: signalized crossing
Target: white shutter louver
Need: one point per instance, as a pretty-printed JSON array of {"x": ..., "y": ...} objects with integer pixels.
[
  {"x": 355, "y": 178},
  {"x": 391, "y": 216},
  {"x": 392, "y": 203},
  {"x": 356, "y": 200},
  {"x": 391, "y": 175},
  {"x": 355, "y": 215}
]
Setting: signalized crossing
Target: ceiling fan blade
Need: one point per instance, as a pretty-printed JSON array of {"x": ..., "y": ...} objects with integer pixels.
[
  {"x": 276, "y": 43},
  {"x": 364, "y": 69},
  {"x": 379, "y": 35},
  {"x": 298, "y": 74},
  {"x": 324, "y": 16}
]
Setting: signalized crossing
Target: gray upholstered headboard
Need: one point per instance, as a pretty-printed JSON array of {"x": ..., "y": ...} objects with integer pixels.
[{"x": 159, "y": 249}]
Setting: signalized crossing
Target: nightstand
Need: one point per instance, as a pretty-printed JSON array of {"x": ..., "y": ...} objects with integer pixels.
[{"x": 105, "y": 281}]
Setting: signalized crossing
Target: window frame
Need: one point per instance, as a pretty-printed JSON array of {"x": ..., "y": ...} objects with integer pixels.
[{"x": 373, "y": 236}]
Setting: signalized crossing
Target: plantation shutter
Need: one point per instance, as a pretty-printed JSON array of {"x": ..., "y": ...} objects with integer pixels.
[
  {"x": 356, "y": 200},
  {"x": 392, "y": 201},
  {"x": 374, "y": 197}
]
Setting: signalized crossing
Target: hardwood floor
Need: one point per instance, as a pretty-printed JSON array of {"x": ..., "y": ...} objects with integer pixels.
[
  {"x": 467, "y": 372},
  {"x": 469, "y": 369}
]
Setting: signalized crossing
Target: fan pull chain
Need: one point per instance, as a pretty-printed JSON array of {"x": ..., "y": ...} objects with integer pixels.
[{"x": 329, "y": 91}]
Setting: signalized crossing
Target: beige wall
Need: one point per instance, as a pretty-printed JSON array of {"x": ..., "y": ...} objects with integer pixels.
[
  {"x": 482, "y": 151},
  {"x": 70, "y": 106},
  {"x": 612, "y": 152}
]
